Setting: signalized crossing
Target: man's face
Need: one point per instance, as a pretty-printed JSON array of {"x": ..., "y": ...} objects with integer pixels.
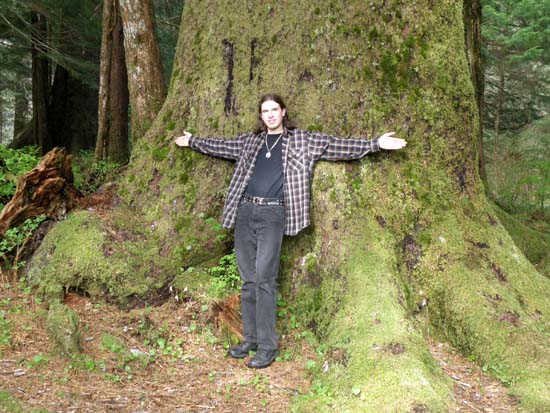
[{"x": 272, "y": 116}]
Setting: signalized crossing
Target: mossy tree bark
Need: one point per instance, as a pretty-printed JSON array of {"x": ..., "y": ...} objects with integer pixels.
[{"x": 403, "y": 245}]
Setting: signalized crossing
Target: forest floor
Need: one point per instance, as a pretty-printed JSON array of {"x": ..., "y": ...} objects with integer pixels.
[
  {"x": 189, "y": 373},
  {"x": 171, "y": 358}
]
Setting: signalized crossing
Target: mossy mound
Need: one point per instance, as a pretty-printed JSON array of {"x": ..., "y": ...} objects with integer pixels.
[
  {"x": 62, "y": 326},
  {"x": 112, "y": 261}
]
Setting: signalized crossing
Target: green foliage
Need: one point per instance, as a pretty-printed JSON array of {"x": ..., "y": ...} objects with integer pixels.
[
  {"x": 167, "y": 16},
  {"x": 73, "y": 35},
  {"x": 14, "y": 163},
  {"x": 226, "y": 274},
  {"x": 16, "y": 236},
  {"x": 112, "y": 343},
  {"x": 38, "y": 360},
  {"x": 515, "y": 35},
  {"x": 13, "y": 242},
  {"x": 519, "y": 177},
  {"x": 90, "y": 174}
]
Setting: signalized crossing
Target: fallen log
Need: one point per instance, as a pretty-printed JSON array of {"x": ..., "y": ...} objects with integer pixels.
[{"x": 47, "y": 190}]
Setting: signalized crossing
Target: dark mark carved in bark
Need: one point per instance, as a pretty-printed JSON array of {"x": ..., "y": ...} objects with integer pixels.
[
  {"x": 510, "y": 317},
  {"x": 381, "y": 221},
  {"x": 253, "y": 59},
  {"x": 498, "y": 272},
  {"x": 306, "y": 76},
  {"x": 228, "y": 57},
  {"x": 412, "y": 252},
  {"x": 492, "y": 220},
  {"x": 481, "y": 245},
  {"x": 461, "y": 175}
]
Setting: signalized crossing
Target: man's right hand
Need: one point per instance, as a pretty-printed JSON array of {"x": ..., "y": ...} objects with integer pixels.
[{"x": 183, "y": 140}]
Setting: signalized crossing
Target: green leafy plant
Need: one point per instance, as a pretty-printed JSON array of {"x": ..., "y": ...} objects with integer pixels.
[
  {"x": 13, "y": 243},
  {"x": 226, "y": 274},
  {"x": 90, "y": 174},
  {"x": 14, "y": 163},
  {"x": 112, "y": 343},
  {"x": 38, "y": 360}
]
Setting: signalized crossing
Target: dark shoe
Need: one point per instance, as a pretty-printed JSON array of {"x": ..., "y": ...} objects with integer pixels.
[
  {"x": 262, "y": 359},
  {"x": 241, "y": 351}
]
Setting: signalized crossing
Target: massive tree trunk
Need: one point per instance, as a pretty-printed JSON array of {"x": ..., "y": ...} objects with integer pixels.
[
  {"x": 40, "y": 83},
  {"x": 145, "y": 76},
  {"x": 403, "y": 245},
  {"x": 112, "y": 134}
]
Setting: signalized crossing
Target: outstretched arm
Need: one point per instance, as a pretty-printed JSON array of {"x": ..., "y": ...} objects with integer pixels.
[
  {"x": 336, "y": 149},
  {"x": 223, "y": 148}
]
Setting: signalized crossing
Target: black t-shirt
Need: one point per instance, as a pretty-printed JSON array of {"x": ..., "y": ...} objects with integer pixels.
[{"x": 267, "y": 177}]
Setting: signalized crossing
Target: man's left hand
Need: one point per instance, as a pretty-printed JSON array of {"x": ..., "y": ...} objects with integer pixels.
[{"x": 389, "y": 142}]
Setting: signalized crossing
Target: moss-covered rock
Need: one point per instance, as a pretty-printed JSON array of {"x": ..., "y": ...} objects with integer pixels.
[
  {"x": 119, "y": 260},
  {"x": 62, "y": 326}
]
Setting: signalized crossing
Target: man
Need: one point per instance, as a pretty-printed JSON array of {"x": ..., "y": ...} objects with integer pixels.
[{"x": 269, "y": 195}]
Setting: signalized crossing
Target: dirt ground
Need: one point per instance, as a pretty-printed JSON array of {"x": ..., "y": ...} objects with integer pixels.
[{"x": 190, "y": 372}]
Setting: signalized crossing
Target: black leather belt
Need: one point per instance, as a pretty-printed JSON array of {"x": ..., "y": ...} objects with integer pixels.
[{"x": 262, "y": 201}]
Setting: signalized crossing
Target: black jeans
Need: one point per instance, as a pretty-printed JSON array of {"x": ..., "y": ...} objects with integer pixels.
[{"x": 258, "y": 237}]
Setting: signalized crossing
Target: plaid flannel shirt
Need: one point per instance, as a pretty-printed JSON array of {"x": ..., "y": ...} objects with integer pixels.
[{"x": 301, "y": 149}]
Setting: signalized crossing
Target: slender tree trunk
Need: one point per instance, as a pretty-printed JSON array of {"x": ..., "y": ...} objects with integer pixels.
[
  {"x": 498, "y": 108},
  {"x": 40, "y": 83},
  {"x": 145, "y": 74},
  {"x": 20, "y": 119},
  {"x": 472, "y": 32},
  {"x": 112, "y": 134}
]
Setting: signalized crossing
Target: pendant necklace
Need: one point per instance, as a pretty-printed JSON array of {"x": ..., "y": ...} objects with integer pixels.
[{"x": 268, "y": 154}]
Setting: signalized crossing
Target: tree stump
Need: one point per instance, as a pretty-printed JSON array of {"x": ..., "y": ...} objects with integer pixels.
[{"x": 46, "y": 190}]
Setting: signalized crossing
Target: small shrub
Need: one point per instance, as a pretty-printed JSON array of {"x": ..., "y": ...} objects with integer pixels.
[
  {"x": 13, "y": 164},
  {"x": 13, "y": 242},
  {"x": 89, "y": 174},
  {"x": 226, "y": 274}
]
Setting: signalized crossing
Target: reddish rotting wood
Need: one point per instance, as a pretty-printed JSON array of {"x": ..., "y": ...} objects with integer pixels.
[{"x": 47, "y": 190}]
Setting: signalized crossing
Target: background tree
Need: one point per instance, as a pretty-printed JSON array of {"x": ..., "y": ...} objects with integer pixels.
[
  {"x": 403, "y": 246},
  {"x": 143, "y": 63},
  {"x": 40, "y": 83},
  {"x": 516, "y": 35},
  {"x": 112, "y": 135}
]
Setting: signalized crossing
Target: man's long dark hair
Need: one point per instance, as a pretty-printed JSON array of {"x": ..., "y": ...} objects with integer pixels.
[{"x": 287, "y": 123}]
